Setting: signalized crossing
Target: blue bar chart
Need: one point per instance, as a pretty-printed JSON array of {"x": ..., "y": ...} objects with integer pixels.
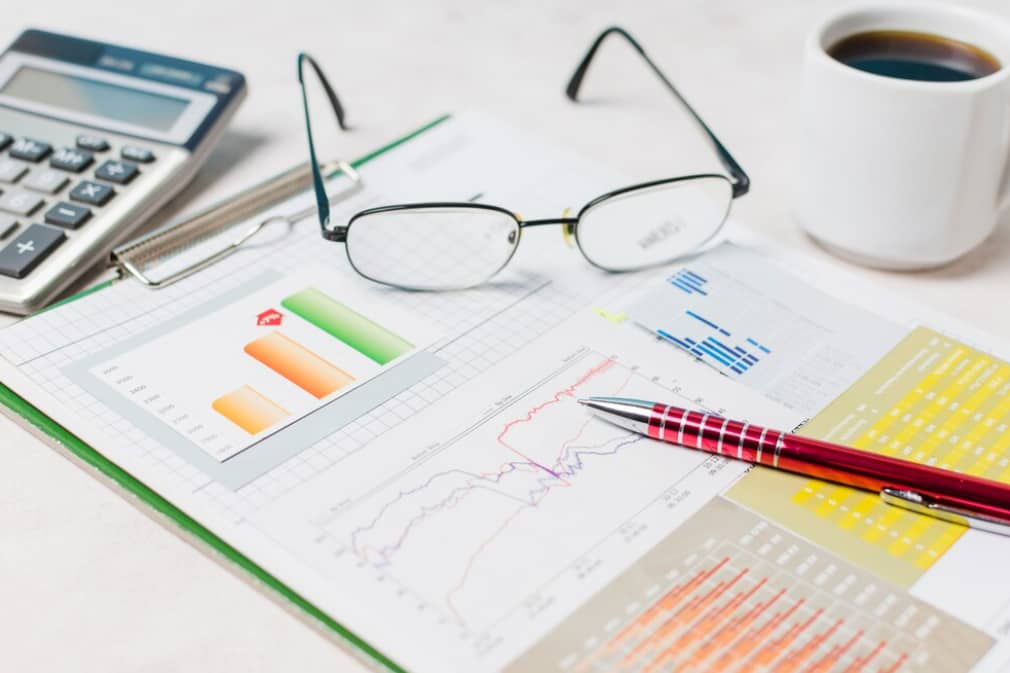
[{"x": 765, "y": 327}]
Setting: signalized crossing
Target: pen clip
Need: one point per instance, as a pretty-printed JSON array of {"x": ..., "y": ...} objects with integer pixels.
[{"x": 922, "y": 504}]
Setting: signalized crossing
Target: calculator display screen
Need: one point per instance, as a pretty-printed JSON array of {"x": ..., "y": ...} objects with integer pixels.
[{"x": 147, "y": 109}]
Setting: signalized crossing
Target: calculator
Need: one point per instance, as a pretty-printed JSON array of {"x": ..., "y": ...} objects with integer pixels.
[{"x": 94, "y": 139}]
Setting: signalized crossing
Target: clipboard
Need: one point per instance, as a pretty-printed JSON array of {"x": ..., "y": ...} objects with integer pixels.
[{"x": 138, "y": 260}]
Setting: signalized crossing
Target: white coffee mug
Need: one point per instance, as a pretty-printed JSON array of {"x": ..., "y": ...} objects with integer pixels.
[{"x": 897, "y": 173}]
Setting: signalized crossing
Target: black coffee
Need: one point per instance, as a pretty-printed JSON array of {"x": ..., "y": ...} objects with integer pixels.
[{"x": 911, "y": 55}]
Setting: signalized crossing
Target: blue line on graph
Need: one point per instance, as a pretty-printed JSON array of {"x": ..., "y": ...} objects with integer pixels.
[
  {"x": 722, "y": 331},
  {"x": 699, "y": 318},
  {"x": 670, "y": 337},
  {"x": 740, "y": 350},
  {"x": 737, "y": 370},
  {"x": 686, "y": 278},
  {"x": 755, "y": 343},
  {"x": 742, "y": 364},
  {"x": 694, "y": 275},
  {"x": 726, "y": 351},
  {"x": 715, "y": 354},
  {"x": 687, "y": 283},
  {"x": 682, "y": 286}
]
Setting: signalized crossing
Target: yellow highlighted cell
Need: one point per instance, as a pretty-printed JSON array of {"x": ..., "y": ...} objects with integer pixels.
[
  {"x": 858, "y": 513},
  {"x": 250, "y": 410},
  {"x": 881, "y": 528}
]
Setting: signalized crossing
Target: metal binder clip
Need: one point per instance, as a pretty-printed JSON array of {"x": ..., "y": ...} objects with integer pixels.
[{"x": 131, "y": 257}]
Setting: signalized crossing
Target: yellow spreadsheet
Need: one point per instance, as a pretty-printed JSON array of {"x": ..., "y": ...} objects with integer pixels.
[{"x": 931, "y": 400}]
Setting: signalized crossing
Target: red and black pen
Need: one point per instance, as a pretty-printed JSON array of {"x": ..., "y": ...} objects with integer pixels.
[{"x": 951, "y": 496}]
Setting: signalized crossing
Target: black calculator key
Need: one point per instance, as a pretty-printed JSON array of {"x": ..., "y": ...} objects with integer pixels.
[
  {"x": 7, "y": 225},
  {"x": 67, "y": 215},
  {"x": 92, "y": 193},
  {"x": 30, "y": 150},
  {"x": 26, "y": 251},
  {"x": 5, "y": 140},
  {"x": 120, "y": 172},
  {"x": 69, "y": 159},
  {"x": 138, "y": 154},
  {"x": 92, "y": 143}
]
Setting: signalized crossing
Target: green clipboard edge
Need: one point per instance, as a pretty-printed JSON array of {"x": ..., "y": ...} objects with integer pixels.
[{"x": 195, "y": 531}]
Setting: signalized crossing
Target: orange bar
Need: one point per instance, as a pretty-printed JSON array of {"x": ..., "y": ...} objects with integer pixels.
[
  {"x": 298, "y": 364},
  {"x": 249, "y": 410}
]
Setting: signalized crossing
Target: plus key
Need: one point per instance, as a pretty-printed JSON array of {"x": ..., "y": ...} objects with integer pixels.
[{"x": 28, "y": 250}]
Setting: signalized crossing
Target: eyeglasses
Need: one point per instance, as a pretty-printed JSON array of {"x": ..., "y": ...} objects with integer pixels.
[{"x": 450, "y": 245}]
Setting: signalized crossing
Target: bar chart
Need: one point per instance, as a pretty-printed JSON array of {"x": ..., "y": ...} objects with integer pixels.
[
  {"x": 731, "y": 592},
  {"x": 763, "y": 326},
  {"x": 226, "y": 380}
]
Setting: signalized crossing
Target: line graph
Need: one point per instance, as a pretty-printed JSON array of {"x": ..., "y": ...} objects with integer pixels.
[
  {"x": 731, "y": 592},
  {"x": 544, "y": 476},
  {"x": 485, "y": 521},
  {"x": 521, "y": 483}
]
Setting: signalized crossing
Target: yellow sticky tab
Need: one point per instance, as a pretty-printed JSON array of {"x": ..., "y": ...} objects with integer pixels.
[{"x": 616, "y": 318}]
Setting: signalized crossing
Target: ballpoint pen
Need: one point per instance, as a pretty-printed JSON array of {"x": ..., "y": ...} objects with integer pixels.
[{"x": 944, "y": 494}]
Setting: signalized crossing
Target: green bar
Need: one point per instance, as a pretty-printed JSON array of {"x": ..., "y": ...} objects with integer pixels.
[{"x": 368, "y": 338}]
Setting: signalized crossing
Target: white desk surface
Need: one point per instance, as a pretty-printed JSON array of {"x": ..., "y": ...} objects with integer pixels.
[{"x": 87, "y": 582}]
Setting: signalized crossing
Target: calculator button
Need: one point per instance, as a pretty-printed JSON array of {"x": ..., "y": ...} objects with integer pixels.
[
  {"x": 93, "y": 143},
  {"x": 20, "y": 202},
  {"x": 11, "y": 170},
  {"x": 7, "y": 225},
  {"x": 70, "y": 159},
  {"x": 138, "y": 154},
  {"x": 92, "y": 193},
  {"x": 67, "y": 215},
  {"x": 48, "y": 180},
  {"x": 120, "y": 172},
  {"x": 26, "y": 251},
  {"x": 30, "y": 150},
  {"x": 5, "y": 140}
]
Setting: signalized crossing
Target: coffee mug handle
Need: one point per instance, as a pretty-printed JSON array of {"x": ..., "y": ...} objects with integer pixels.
[{"x": 1004, "y": 196}]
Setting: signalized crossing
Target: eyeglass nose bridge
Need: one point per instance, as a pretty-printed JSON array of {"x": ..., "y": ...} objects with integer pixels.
[{"x": 567, "y": 225}]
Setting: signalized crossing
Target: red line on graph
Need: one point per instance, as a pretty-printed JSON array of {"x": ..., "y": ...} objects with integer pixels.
[
  {"x": 896, "y": 665},
  {"x": 680, "y": 618},
  {"x": 860, "y": 663},
  {"x": 469, "y": 565},
  {"x": 531, "y": 414},
  {"x": 828, "y": 661},
  {"x": 728, "y": 632},
  {"x": 666, "y": 602}
]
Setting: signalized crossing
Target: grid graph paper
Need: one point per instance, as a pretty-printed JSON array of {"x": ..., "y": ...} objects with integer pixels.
[{"x": 545, "y": 285}]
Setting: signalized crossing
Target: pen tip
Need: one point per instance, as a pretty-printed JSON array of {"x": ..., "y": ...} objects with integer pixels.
[{"x": 583, "y": 400}]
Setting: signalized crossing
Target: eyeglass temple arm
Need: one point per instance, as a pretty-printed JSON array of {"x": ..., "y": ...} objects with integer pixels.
[
  {"x": 741, "y": 182},
  {"x": 322, "y": 200}
]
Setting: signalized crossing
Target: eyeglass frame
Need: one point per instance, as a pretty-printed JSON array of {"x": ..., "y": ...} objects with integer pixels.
[{"x": 738, "y": 179}]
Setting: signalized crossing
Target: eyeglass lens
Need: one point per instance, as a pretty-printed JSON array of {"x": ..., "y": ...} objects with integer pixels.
[
  {"x": 432, "y": 248},
  {"x": 652, "y": 225}
]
